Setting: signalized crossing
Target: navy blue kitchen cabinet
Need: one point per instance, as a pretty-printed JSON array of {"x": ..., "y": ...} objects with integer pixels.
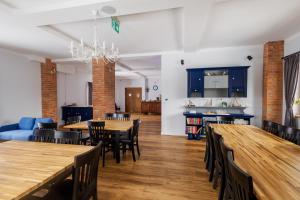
[
  {"x": 237, "y": 82},
  {"x": 86, "y": 113},
  {"x": 195, "y": 82}
]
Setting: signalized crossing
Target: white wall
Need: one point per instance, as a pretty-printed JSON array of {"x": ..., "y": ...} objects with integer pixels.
[
  {"x": 72, "y": 85},
  {"x": 20, "y": 88},
  {"x": 174, "y": 82},
  {"x": 152, "y": 93},
  {"x": 120, "y": 86}
]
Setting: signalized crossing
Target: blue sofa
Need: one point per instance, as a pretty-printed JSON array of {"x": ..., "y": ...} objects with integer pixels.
[{"x": 22, "y": 130}]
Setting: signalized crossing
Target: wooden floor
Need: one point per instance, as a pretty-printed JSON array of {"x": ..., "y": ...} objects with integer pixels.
[{"x": 170, "y": 168}]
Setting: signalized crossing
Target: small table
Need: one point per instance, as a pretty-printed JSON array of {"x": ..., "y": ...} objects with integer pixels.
[
  {"x": 115, "y": 126},
  {"x": 26, "y": 167}
]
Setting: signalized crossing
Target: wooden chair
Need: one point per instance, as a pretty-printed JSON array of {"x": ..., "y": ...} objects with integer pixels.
[
  {"x": 227, "y": 178},
  {"x": 109, "y": 116},
  {"x": 219, "y": 165},
  {"x": 206, "y": 155},
  {"x": 289, "y": 133},
  {"x": 51, "y": 126},
  {"x": 225, "y": 120},
  {"x": 70, "y": 137},
  {"x": 211, "y": 161},
  {"x": 83, "y": 185},
  {"x": 44, "y": 135},
  {"x": 133, "y": 140},
  {"x": 97, "y": 134},
  {"x": 270, "y": 126},
  {"x": 242, "y": 184},
  {"x": 123, "y": 116}
]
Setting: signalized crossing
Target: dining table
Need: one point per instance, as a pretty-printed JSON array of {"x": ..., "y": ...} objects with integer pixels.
[
  {"x": 115, "y": 127},
  {"x": 26, "y": 167},
  {"x": 273, "y": 163}
]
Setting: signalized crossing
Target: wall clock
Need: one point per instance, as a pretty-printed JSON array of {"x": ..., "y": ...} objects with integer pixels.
[{"x": 155, "y": 87}]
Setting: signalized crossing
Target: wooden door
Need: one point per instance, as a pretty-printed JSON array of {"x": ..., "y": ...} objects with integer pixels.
[{"x": 133, "y": 100}]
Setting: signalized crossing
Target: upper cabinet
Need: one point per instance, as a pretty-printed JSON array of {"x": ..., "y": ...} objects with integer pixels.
[
  {"x": 238, "y": 82},
  {"x": 218, "y": 82},
  {"x": 195, "y": 82}
]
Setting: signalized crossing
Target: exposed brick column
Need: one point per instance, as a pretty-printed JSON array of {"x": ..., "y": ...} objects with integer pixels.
[
  {"x": 273, "y": 81},
  {"x": 103, "y": 88},
  {"x": 49, "y": 89}
]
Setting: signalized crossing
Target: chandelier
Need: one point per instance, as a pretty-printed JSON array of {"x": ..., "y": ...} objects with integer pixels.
[{"x": 98, "y": 51}]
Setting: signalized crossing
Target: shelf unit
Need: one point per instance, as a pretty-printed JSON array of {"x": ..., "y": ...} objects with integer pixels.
[{"x": 194, "y": 127}]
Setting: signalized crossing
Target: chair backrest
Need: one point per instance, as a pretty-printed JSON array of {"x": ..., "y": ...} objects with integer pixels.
[
  {"x": 271, "y": 127},
  {"x": 123, "y": 116},
  {"x": 70, "y": 137},
  {"x": 211, "y": 143},
  {"x": 242, "y": 184},
  {"x": 225, "y": 120},
  {"x": 289, "y": 133},
  {"x": 44, "y": 135},
  {"x": 85, "y": 174},
  {"x": 135, "y": 128},
  {"x": 96, "y": 130},
  {"x": 225, "y": 149},
  {"x": 108, "y": 116},
  {"x": 51, "y": 126},
  {"x": 73, "y": 119},
  {"x": 216, "y": 140}
]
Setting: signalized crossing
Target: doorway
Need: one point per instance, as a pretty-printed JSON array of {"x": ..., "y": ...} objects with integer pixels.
[{"x": 133, "y": 99}]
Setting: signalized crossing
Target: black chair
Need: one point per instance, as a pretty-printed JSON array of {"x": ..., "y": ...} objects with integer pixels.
[
  {"x": 210, "y": 165},
  {"x": 225, "y": 120},
  {"x": 270, "y": 126},
  {"x": 97, "y": 134},
  {"x": 123, "y": 116},
  {"x": 44, "y": 135},
  {"x": 289, "y": 133},
  {"x": 51, "y": 126},
  {"x": 219, "y": 165},
  {"x": 83, "y": 185},
  {"x": 109, "y": 116},
  {"x": 133, "y": 140},
  {"x": 242, "y": 184},
  {"x": 227, "y": 178},
  {"x": 70, "y": 137}
]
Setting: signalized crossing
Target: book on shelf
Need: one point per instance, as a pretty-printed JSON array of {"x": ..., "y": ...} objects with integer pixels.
[
  {"x": 195, "y": 121},
  {"x": 193, "y": 129}
]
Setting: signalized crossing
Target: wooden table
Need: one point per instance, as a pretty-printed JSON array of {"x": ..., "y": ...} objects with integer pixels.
[
  {"x": 117, "y": 127},
  {"x": 273, "y": 163},
  {"x": 110, "y": 125},
  {"x": 26, "y": 167}
]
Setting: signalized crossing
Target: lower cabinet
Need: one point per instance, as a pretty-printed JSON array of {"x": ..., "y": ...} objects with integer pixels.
[
  {"x": 153, "y": 107},
  {"x": 86, "y": 113}
]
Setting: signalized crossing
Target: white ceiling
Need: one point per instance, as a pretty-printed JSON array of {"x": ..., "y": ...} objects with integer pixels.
[{"x": 148, "y": 27}]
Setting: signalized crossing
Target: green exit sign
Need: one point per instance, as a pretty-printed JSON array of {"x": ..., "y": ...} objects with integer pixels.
[{"x": 115, "y": 24}]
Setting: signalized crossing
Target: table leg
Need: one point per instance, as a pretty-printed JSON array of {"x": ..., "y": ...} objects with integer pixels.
[{"x": 117, "y": 146}]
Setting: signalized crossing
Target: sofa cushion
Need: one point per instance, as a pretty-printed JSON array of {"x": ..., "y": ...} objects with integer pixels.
[
  {"x": 25, "y": 135},
  {"x": 42, "y": 120},
  {"x": 26, "y": 123}
]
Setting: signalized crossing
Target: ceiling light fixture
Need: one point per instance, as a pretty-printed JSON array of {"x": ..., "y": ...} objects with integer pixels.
[{"x": 98, "y": 51}]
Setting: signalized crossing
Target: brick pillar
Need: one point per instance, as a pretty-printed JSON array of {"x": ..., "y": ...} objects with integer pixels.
[
  {"x": 103, "y": 88},
  {"x": 273, "y": 81},
  {"x": 49, "y": 89}
]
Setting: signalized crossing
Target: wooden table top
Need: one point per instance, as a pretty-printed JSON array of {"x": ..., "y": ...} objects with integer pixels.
[
  {"x": 26, "y": 166},
  {"x": 273, "y": 163},
  {"x": 110, "y": 125}
]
